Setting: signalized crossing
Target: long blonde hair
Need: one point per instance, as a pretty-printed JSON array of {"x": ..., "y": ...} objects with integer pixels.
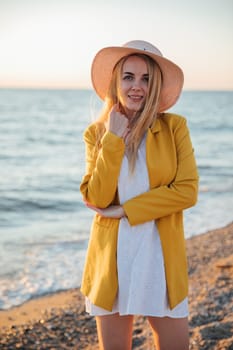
[{"x": 143, "y": 118}]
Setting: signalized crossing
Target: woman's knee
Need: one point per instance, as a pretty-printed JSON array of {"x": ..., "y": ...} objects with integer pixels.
[
  {"x": 170, "y": 333},
  {"x": 114, "y": 332}
]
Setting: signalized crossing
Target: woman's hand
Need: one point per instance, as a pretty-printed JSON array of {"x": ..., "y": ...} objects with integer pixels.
[
  {"x": 117, "y": 122},
  {"x": 113, "y": 211}
]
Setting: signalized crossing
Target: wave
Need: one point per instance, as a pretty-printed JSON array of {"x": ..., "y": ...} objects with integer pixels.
[
  {"x": 215, "y": 189},
  {"x": 27, "y": 205}
]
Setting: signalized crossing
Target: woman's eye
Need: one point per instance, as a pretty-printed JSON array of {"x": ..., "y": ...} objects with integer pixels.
[
  {"x": 146, "y": 79},
  {"x": 128, "y": 77}
]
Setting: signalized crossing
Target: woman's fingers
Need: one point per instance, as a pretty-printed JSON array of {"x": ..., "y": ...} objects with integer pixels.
[
  {"x": 118, "y": 123},
  {"x": 113, "y": 211}
]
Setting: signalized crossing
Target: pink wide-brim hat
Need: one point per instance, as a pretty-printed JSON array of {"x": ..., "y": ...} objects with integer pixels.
[{"x": 106, "y": 59}]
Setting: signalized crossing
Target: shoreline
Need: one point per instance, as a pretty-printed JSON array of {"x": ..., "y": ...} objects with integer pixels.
[{"x": 60, "y": 317}]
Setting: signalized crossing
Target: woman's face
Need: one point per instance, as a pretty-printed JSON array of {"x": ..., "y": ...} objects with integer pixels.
[{"x": 133, "y": 87}]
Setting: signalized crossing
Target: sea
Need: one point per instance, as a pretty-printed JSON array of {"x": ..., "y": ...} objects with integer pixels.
[{"x": 44, "y": 225}]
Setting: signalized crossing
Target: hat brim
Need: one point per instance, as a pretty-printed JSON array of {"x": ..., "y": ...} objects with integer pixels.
[{"x": 106, "y": 59}]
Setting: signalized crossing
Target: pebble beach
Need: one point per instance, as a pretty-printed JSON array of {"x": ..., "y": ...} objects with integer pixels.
[{"x": 59, "y": 321}]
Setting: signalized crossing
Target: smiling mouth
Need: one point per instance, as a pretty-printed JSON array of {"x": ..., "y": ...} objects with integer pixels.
[{"x": 135, "y": 98}]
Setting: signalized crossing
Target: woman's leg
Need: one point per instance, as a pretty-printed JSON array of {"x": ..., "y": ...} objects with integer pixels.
[
  {"x": 170, "y": 333},
  {"x": 115, "y": 332}
]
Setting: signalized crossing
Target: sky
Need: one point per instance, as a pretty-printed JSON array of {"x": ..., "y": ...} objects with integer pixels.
[{"x": 51, "y": 43}]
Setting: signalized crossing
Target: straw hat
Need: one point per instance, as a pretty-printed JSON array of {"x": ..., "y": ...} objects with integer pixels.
[{"x": 106, "y": 59}]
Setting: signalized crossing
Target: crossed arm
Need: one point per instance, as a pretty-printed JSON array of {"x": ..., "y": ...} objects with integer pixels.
[{"x": 100, "y": 182}]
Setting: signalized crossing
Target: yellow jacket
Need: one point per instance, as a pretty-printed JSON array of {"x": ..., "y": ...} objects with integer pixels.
[{"x": 173, "y": 181}]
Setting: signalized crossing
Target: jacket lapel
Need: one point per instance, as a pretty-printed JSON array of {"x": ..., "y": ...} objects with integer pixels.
[{"x": 151, "y": 146}]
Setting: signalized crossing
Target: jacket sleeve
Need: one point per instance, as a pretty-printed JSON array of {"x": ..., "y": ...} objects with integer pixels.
[
  {"x": 176, "y": 196},
  {"x": 100, "y": 181}
]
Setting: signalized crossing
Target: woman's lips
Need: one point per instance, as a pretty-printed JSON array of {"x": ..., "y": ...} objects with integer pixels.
[{"x": 135, "y": 98}]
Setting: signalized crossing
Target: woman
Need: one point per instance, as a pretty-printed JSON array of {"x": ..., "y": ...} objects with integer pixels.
[{"x": 140, "y": 175}]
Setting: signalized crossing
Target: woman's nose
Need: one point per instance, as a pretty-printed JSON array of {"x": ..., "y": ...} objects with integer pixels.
[{"x": 136, "y": 85}]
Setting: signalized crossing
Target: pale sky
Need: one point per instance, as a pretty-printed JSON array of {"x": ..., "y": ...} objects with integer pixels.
[{"x": 51, "y": 43}]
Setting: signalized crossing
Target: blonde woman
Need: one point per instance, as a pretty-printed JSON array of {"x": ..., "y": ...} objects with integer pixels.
[{"x": 140, "y": 176}]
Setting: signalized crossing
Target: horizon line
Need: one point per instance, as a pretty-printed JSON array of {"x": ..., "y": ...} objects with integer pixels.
[{"x": 92, "y": 89}]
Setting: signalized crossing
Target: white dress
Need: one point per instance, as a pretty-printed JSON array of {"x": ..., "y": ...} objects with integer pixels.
[{"x": 141, "y": 275}]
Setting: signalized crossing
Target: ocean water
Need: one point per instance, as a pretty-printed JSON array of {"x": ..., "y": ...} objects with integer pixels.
[{"x": 44, "y": 226}]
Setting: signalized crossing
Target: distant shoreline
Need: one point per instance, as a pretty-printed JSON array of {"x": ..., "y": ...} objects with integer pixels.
[
  {"x": 72, "y": 88},
  {"x": 210, "y": 258}
]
